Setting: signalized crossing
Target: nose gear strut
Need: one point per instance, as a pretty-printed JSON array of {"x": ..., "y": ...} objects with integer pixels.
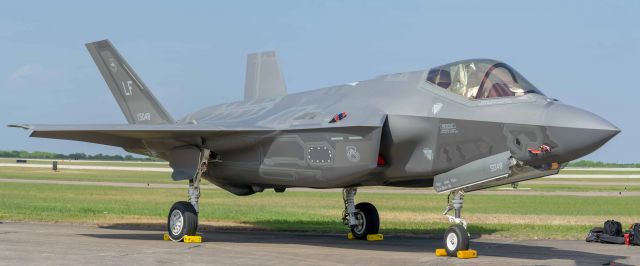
[
  {"x": 455, "y": 200},
  {"x": 456, "y": 238}
]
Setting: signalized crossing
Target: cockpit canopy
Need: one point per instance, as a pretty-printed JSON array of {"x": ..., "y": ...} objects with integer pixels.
[{"x": 481, "y": 79}]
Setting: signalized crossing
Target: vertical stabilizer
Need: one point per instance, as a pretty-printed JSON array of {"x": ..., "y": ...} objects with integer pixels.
[
  {"x": 136, "y": 101},
  {"x": 264, "y": 76}
]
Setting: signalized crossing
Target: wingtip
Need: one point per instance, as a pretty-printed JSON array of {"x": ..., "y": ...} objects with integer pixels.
[{"x": 25, "y": 127}]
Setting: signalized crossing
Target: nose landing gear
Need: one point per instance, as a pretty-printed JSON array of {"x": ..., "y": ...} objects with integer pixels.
[{"x": 456, "y": 238}]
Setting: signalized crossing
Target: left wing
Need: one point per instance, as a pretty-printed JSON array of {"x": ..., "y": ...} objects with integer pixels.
[
  {"x": 132, "y": 137},
  {"x": 140, "y": 138},
  {"x": 181, "y": 143}
]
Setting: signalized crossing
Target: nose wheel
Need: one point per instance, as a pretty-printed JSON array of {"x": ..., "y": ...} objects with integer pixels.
[{"x": 456, "y": 238}]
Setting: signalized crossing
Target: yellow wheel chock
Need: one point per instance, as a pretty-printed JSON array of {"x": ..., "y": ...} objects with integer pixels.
[
  {"x": 467, "y": 254},
  {"x": 186, "y": 239},
  {"x": 373, "y": 237},
  {"x": 192, "y": 239},
  {"x": 462, "y": 254},
  {"x": 441, "y": 252},
  {"x": 350, "y": 236}
]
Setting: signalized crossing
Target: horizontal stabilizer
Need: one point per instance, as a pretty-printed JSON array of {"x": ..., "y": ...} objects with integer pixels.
[{"x": 263, "y": 77}]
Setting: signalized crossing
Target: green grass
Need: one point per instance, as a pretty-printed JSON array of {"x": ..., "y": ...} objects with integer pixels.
[
  {"x": 94, "y": 163},
  {"x": 512, "y": 216},
  {"x": 516, "y": 216},
  {"x": 86, "y": 175}
]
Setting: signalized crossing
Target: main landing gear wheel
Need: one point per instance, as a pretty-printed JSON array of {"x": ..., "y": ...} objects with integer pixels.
[
  {"x": 456, "y": 238},
  {"x": 362, "y": 219},
  {"x": 367, "y": 221},
  {"x": 182, "y": 221},
  {"x": 183, "y": 215}
]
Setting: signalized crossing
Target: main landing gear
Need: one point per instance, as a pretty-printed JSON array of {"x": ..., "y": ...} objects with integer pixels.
[
  {"x": 362, "y": 218},
  {"x": 183, "y": 215},
  {"x": 456, "y": 238}
]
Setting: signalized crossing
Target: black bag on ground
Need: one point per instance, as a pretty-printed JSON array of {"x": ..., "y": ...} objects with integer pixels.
[
  {"x": 635, "y": 234},
  {"x": 594, "y": 234},
  {"x": 604, "y": 238},
  {"x": 613, "y": 228}
]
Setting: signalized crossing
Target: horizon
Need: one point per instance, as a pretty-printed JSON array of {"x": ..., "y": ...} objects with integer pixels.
[{"x": 583, "y": 53}]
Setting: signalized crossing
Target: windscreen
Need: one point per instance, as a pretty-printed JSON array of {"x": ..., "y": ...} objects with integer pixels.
[{"x": 481, "y": 79}]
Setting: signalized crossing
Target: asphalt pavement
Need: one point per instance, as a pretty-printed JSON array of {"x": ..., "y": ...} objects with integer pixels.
[{"x": 68, "y": 244}]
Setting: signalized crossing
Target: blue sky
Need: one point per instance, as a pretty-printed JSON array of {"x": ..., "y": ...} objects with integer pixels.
[{"x": 192, "y": 54}]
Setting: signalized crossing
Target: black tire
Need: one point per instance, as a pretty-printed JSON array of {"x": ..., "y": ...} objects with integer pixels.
[
  {"x": 189, "y": 224},
  {"x": 368, "y": 214},
  {"x": 456, "y": 238}
]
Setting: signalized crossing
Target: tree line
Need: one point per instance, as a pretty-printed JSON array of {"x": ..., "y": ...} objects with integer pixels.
[
  {"x": 71, "y": 156},
  {"x": 595, "y": 164}
]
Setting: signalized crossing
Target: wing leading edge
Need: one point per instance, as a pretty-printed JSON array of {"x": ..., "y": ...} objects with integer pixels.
[{"x": 129, "y": 136}]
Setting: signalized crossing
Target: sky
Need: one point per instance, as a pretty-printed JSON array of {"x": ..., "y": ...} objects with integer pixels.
[{"x": 192, "y": 54}]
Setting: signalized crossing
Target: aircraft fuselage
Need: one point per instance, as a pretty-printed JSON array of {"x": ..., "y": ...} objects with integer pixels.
[{"x": 426, "y": 131}]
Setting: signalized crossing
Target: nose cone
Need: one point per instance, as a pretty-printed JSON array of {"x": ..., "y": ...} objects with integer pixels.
[{"x": 576, "y": 132}]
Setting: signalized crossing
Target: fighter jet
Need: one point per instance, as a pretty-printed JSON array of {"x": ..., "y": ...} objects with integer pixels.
[{"x": 459, "y": 127}]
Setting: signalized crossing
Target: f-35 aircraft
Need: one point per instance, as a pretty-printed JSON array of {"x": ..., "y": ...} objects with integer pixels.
[{"x": 459, "y": 127}]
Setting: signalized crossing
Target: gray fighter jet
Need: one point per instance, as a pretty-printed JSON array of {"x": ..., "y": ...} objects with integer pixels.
[{"x": 458, "y": 127}]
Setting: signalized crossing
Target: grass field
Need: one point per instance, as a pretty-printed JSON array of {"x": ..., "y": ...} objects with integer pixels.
[
  {"x": 510, "y": 216},
  {"x": 96, "y": 163},
  {"x": 86, "y": 175}
]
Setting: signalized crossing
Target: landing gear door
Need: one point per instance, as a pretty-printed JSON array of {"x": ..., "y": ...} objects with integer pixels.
[
  {"x": 185, "y": 162},
  {"x": 476, "y": 172}
]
